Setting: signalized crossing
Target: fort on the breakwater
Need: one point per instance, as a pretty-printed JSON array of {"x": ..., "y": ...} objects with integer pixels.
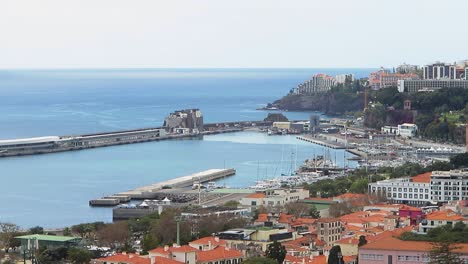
[{"x": 179, "y": 124}]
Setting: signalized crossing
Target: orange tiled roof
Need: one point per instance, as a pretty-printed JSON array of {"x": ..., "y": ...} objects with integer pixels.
[
  {"x": 328, "y": 220},
  {"x": 162, "y": 251},
  {"x": 394, "y": 244},
  {"x": 163, "y": 260},
  {"x": 285, "y": 218},
  {"x": 126, "y": 258},
  {"x": 321, "y": 259},
  {"x": 410, "y": 208},
  {"x": 423, "y": 178},
  {"x": 447, "y": 215},
  {"x": 184, "y": 248},
  {"x": 218, "y": 253},
  {"x": 350, "y": 196},
  {"x": 349, "y": 241},
  {"x": 262, "y": 218},
  {"x": 210, "y": 239},
  {"x": 256, "y": 195}
]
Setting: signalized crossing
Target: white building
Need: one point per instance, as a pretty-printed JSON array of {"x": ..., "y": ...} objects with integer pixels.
[
  {"x": 403, "y": 190},
  {"x": 342, "y": 78},
  {"x": 389, "y": 130},
  {"x": 449, "y": 185},
  {"x": 317, "y": 84},
  {"x": 274, "y": 197},
  {"x": 440, "y": 218},
  {"x": 407, "y": 130}
]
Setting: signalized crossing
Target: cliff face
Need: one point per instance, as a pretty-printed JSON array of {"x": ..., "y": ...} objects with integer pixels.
[{"x": 330, "y": 103}]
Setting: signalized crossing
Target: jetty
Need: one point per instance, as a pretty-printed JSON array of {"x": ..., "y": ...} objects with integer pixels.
[
  {"x": 325, "y": 143},
  {"x": 150, "y": 191}
]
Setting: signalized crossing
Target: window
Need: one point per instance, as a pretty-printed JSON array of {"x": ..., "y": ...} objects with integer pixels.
[{"x": 254, "y": 203}]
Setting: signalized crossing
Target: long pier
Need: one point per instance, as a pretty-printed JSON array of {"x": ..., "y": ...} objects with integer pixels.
[
  {"x": 52, "y": 144},
  {"x": 150, "y": 191},
  {"x": 324, "y": 143}
]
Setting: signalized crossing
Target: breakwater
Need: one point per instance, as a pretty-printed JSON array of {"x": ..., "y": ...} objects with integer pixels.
[
  {"x": 151, "y": 191},
  {"x": 51, "y": 144}
]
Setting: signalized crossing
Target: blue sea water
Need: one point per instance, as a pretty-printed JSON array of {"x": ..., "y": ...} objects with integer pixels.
[{"x": 53, "y": 190}]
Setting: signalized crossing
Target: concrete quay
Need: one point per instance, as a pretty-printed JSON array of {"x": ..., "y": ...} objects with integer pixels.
[
  {"x": 150, "y": 191},
  {"x": 325, "y": 143}
]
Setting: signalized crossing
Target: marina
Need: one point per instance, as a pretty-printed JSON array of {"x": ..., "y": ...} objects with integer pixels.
[{"x": 149, "y": 191}]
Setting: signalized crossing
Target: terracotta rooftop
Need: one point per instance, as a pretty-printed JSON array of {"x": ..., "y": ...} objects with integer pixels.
[
  {"x": 285, "y": 218},
  {"x": 394, "y": 244},
  {"x": 163, "y": 260},
  {"x": 349, "y": 241},
  {"x": 423, "y": 178},
  {"x": 256, "y": 195},
  {"x": 163, "y": 251},
  {"x": 262, "y": 218},
  {"x": 410, "y": 208},
  {"x": 447, "y": 215},
  {"x": 350, "y": 196},
  {"x": 127, "y": 258},
  {"x": 328, "y": 220},
  {"x": 215, "y": 241},
  {"x": 218, "y": 253}
]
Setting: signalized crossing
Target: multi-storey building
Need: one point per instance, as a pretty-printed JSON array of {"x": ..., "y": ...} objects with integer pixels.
[
  {"x": 412, "y": 86},
  {"x": 274, "y": 197},
  {"x": 440, "y": 218},
  {"x": 407, "y": 130},
  {"x": 415, "y": 190},
  {"x": 329, "y": 230},
  {"x": 383, "y": 78},
  {"x": 344, "y": 78},
  {"x": 435, "y": 187},
  {"x": 317, "y": 84},
  {"x": 184, "y": 121},
  {"x": 449, "y": 185},
  {"x": 391, "y": 250},
  {"x": 438, "y": 71},
  {"x": 466, "y": 73},
  {"x": 407, "y": 68}
]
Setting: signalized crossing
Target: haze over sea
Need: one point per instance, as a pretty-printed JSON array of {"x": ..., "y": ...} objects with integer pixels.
[{"x": 53, "y": 190}]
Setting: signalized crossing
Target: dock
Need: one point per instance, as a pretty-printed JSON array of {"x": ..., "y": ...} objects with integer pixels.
[
  {"x": 321, "y": 142},
  {"x": 150, "y": 191}
]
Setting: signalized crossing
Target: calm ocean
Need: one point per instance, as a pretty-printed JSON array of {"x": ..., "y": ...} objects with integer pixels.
[{"x": 53, "y": 190}]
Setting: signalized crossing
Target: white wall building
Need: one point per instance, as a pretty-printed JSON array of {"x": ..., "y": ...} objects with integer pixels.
[
  {"x": 449, "y": 185},
  {"x": 274, "y": 197},
  {"x": 407, "y": 130},
  {"x": 403, "y": 190}
]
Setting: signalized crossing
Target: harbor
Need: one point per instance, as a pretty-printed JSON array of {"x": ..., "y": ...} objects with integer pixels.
[{"x": 150, "y": 191}]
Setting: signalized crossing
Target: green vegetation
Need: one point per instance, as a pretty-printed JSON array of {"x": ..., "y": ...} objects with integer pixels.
[
  {"x": 339, "y": 100},
  {"x": 439, "y": 113},
  {"x": 333, "y": 256},
  {"x": 259, "y": 260},
  {"x": 458, "y": 233},
  {"x": 276, "y": 251}
]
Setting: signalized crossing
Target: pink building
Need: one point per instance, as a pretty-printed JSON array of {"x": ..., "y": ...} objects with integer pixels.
[
  {"x": 391, "y": 250},
  {"x": 383, "y": 78},
  {"x": 415, "y": 214}
]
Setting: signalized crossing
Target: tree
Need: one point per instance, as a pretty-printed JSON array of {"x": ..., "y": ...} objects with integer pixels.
[
  {"x": 36, "y": 230},
  {"x": 314, "y": 212},
  {"x": 231, "y": 204},
  {"x": 442, "y": 253},
  {"x": 359, "y": 186},
  {"x": 334, "y": 256},
  {"x": 362, "y": 241},
  {"x": 8, "y": 231},
  {"x": 259, "y": 260},
  {"x": 460, "y": 160},
  {"x": 67, "y": 231},
  {"x": 297, "y": 209},
  {"x": 114, "y": 235},
  {"x": 79, "y": 256},
  {"x": 276, "y": 251},
  {"x": 149, "y": 242}
]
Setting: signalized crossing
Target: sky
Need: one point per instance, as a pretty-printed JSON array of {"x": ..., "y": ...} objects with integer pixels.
[{"x": 230, "y": 34}]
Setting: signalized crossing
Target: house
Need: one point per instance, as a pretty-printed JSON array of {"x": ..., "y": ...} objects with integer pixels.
[
  {"x": 220, "y": 255},
  {"x": 392, "y": 250},
  {"x": 207, "y": 243},
  {"x": 329, "y": 230},
  {"x": 440, "y": 218},
  {"x": 414, "y": 214},
  {"x": 47, "y": 241},
  {"x": 185, "y": 254},
  {"x": 125, "y": 258},
  {"x": 274, "y": 197},
  {"x": 349, "y": 246}
]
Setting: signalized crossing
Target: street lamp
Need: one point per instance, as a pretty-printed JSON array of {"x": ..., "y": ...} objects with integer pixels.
[{"x": 340, "y": 257}]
